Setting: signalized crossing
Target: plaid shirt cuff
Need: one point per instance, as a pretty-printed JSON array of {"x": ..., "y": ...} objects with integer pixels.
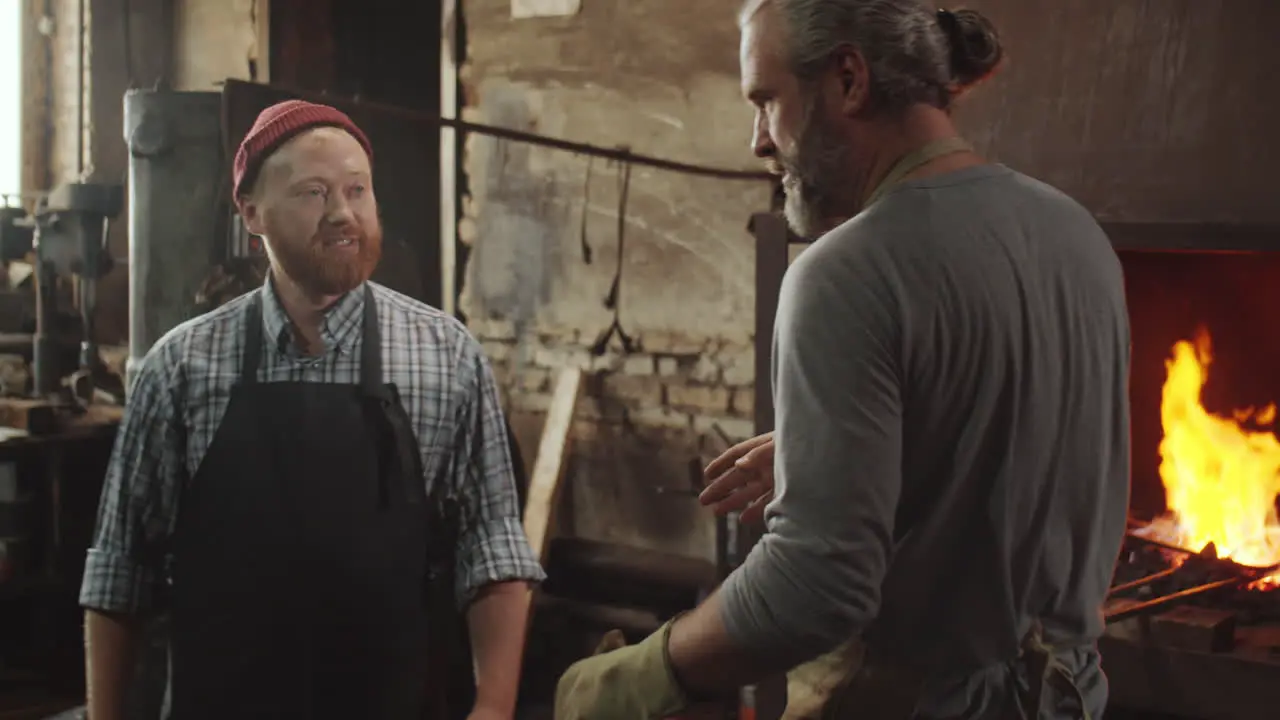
[
  {"x": 114, "y": 583},
  {"x": 493, "y": 552}
]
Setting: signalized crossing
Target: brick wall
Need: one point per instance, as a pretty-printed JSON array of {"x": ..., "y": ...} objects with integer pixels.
[
  {"x": 676, "y": 383},
  {"x": 643, "y": 416}
]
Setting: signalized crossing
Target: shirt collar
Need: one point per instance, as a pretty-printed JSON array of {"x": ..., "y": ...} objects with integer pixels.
[{"x": 339, "y": 328}]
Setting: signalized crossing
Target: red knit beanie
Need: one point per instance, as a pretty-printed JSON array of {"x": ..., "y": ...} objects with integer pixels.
[{"x": 276, "y": 125}]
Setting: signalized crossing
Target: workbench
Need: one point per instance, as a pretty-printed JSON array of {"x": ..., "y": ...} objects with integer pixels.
[{"x": 60, "y": 472}]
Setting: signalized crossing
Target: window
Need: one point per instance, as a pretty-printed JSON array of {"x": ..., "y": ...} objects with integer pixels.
[{"x": 10, "y": 96}]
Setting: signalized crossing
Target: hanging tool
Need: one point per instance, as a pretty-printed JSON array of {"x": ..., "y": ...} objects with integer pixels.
[
  {"x": 613, "y": 301},
  {"x": 586, "y": 212}
]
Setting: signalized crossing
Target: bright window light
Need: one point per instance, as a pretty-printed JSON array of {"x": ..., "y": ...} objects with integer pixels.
[{"x": 10, "y": 96}]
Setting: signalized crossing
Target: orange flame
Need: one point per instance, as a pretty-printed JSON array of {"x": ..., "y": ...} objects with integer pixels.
[{"x": 1221, "y": 480}]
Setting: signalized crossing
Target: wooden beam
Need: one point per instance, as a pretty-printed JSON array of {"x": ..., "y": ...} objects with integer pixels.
[
  {"x": 547, "y": 480},
  {"x": 772, "y": 246}
]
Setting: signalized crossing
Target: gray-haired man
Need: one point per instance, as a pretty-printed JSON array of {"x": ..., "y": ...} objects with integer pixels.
[{"x": 949, "y": 371}]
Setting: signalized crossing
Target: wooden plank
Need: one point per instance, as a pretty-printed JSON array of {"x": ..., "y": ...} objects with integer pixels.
[
  {"x": 36, "y": 416},
  {"x": 44, "y": 417},
  {"x": 546, "y": 483}
]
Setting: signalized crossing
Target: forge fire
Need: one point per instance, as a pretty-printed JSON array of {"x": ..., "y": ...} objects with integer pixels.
[{"x": 1221, "y": 474}]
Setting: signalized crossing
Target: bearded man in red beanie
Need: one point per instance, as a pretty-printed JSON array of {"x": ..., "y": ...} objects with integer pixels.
[{"x": 286, "y": 463}]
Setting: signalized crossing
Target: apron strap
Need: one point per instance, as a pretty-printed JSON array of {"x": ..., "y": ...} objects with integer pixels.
[
  {"x": 913, "y": 161},
  {"x": 252, "y": 340},
  {"x": 1047, "y": 675},
  {"x": 371, "y": 349},
  {"x": 397, "y": 441}
]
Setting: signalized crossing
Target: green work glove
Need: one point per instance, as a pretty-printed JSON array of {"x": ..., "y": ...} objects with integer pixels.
[{"x": 632, "y": 682}]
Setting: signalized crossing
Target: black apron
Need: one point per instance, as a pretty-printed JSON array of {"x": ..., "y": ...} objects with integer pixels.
[{"x": 302, "y": 555}]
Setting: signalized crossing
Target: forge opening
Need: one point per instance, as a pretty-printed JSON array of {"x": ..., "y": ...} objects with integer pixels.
[{"x": 1204, "y": 381}]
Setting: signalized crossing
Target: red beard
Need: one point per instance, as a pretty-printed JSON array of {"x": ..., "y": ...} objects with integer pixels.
[{"x": 320, "y": 268}]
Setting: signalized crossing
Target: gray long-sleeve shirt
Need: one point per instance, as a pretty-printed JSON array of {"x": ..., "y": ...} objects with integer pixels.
[{"x": 950, "y": 381}]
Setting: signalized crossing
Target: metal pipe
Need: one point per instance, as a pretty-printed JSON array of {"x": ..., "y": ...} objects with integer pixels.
[
  {"x": 44, "y": 371},
  {"x": 1142, "y": 581},
  {"x": 621, "y": 155},
  {"x": 1169, "y": 601},
  {"x": 176, "y": 208}
]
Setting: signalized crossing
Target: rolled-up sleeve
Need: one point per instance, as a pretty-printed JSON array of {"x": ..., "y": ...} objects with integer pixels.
[
  {"x": 813, "y": 581},
  {"x": 492, "y": 546},
  {"x": 122, "y": 566}
]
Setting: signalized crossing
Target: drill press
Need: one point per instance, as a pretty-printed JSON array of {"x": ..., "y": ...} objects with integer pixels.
[{"x": 70, "y": 241}]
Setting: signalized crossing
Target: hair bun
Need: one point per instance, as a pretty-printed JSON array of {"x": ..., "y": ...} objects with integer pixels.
[{"x": 976, "y": 51}]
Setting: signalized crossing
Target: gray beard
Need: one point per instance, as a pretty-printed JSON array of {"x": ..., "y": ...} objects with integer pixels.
[
  {"x": 818, "y": 178},
  {"x": 803, "y": 212}
]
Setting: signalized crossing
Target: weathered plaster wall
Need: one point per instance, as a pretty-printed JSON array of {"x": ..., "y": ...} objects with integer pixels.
[
  {"x": 660, "y": 77},
  {"x": 214, "y": 41}
]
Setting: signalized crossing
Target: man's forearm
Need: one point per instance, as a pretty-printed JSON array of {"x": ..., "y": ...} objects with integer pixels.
[
  {"x": 110, "y": 643},
  {"x": 704, "y": 657},
  {"x": 497, "y": 620},
  {"x": 762, "y": 621}
]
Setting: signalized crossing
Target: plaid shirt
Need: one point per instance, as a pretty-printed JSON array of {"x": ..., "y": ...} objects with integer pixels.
[{"x": 181, "y": 393}]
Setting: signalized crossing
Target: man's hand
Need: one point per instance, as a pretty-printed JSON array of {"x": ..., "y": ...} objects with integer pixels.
[
  {"x": 621, "y": 682},
  {"x": 741, "y": 479}
]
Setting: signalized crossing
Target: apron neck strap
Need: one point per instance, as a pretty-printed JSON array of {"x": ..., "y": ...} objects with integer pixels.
[
  {"x": 371, "y": 347},
  {"x": 913, "y": 161},
  {"x": 252, "y": 340},
  {"x": 370, "y": 344}
]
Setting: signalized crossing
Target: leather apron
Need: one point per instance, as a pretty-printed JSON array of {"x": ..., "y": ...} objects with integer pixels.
[
  {"x": 300, "y": 555},
  {"x": 855, "y": 682}
]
